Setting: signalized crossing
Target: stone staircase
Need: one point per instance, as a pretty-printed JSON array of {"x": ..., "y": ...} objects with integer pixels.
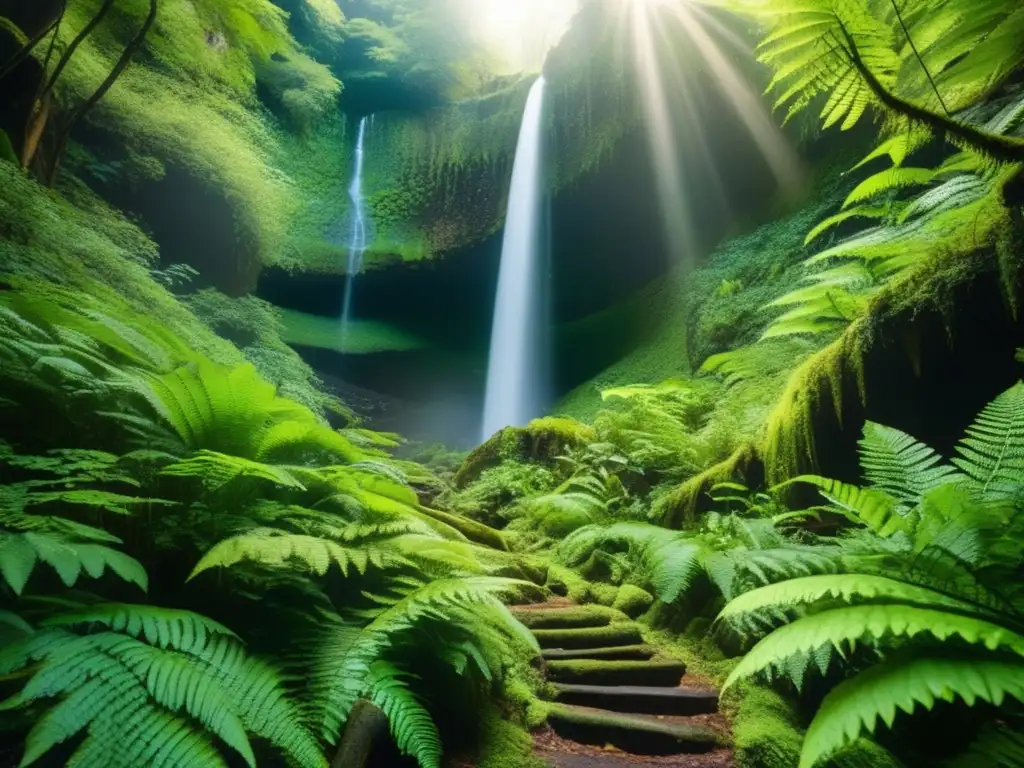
[{"x": 613, "y": 689}]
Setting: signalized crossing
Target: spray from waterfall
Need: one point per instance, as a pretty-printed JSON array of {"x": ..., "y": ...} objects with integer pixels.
[
  {"x": 358, "y": 234},
  {"x": 514, "y": 376}
]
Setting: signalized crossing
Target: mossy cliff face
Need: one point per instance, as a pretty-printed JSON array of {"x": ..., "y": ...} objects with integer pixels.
[{"x": 436, "y": 179}]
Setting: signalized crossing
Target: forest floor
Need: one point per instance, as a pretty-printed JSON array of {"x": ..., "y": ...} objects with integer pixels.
[{"x": 563, "y": 753}]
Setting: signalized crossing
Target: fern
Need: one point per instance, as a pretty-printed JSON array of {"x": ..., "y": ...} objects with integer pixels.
[
  {"x": 868, "y": 506},
  {"x": 834, "y": 299},
  {"x": 998, "y": 746},
  {"x": 236, "y": 412},
  {"x": 217, "y": 470},
  {"x": 665, "y": 560},
  {"x": 278, "y": 549},
  {"x": 889, "y": 180},
  {"x": 859, "y": 211},
  {"x": 442, "y": 603},
  {"x": 992, "y": 453},
  {"x": 21, "y": 552},
  {"x": 896, "y": 463},
  {"x": 905, "y": 684},
  {"x": 131, "y": 694},
  {"x": 843, "y": 627},
  {"x": 411, "y": 725}
]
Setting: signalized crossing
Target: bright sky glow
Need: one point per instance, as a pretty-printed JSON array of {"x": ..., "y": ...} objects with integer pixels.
[{"x": 520, "y": 32}]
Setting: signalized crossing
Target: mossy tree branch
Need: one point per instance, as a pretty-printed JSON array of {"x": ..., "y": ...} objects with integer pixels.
[
  {"x": 1001, "y": 148},
  {"x": 83, "y": 109},
  {"x": 74, "y": 44}
]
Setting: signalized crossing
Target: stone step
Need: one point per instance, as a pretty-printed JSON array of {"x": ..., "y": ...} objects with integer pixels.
[
  {"x": 667, "y": 672},
  {"x": 589, "y": 637},
  {"x": 638, "y": 698},
  {"x": 638, "y": 734},
  {"x": 568, "y": 617},
  {"x": 636, "y": 652}
]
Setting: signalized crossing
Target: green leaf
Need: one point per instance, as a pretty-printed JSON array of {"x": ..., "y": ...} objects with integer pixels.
[
  {"x": 902, "y": 684},
  {"x": 871, "y": 624}
]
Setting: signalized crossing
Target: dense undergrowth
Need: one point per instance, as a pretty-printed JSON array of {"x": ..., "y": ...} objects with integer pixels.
[{"x": 205, "y": 559}]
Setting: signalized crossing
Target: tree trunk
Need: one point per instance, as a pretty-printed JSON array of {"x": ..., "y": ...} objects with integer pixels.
[
  {"x": 367, "y": 726},
  {"x": 34, "y": 130},
  {"x": 64, "y": 134}
]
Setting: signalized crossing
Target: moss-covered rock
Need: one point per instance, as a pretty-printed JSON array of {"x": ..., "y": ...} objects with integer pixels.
[
  {"x": 539, "y": 441},
  {"x": 570, "y": 617},
  {"x": 589, "y": 637},
  {"x": 632, "y": 600},
  {"x": 639, "y": 734},
  {"x": 652, "y": 672},
  {"x": 766, "y": 734}
]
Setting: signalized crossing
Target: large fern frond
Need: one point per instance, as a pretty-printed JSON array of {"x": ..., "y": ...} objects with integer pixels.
[
  {"x": 896, "y": 463},
  {"x": 849, "y": 626},
  {"x": 904, "y": 684},
  {"x": 69, "y": 557},
  {"x": 132, "y": 697},
  {"x": 992, "y": 453},
  {"x": 411, "y": 724},
  {"x": 274, "y": 548}
]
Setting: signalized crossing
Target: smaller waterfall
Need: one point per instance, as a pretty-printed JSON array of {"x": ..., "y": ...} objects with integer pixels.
[
  {"x": 513, "y": 375},
  {"x": 358, "y": 237}
]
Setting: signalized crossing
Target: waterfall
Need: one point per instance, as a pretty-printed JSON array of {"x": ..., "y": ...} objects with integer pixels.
[
  {"x": 513, "y": 394},
  {"x": 358, "y": 235}
]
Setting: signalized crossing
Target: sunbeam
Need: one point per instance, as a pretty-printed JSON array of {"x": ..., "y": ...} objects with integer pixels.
[{"x": 673, "y": 43}]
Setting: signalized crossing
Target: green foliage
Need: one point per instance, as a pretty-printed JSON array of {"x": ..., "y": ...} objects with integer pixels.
[
  {"x": 992, "y": 453},
  {"x": 190, "y": 99},
  {"x": 137, "y": 694},
  {"x": 905, "y": 685},
  {"x": 806, "y": 48},
  {"x": 922, "y": 592},
  {"x": 664, "y": 560},
  {"x": 302, "y": 525},
  {"x": 258, "y": 329},
  {"x": 896, "y": 463}
]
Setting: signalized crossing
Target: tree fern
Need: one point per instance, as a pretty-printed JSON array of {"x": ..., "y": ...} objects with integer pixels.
[{"x": 903, "y": 684}]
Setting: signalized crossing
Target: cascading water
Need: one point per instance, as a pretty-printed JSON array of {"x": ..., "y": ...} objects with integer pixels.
[
  {"x": 513, "y": 394},
  {"x": 358, "y": 235}
]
